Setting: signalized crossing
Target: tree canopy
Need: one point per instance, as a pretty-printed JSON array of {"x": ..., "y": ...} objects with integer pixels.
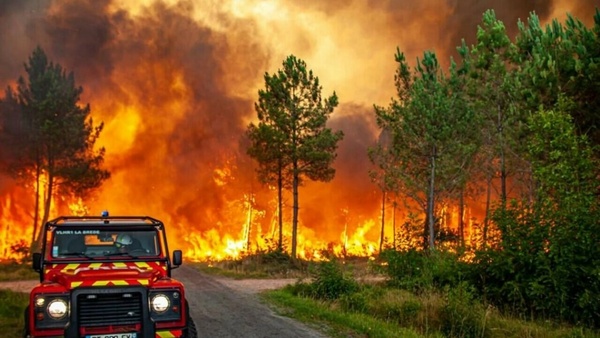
[
  {"x": 291, "y": 142},
  {"x": 518, "y": 120},
  {"x": 52, "y": 135}
]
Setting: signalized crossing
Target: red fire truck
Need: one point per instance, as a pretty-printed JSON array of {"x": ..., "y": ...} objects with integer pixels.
[{"x": 107, "y": 277}]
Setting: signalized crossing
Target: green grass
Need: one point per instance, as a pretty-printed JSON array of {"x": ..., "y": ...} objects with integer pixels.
[
  {"x": 278, "y": 265},
  {"x": 16, "y": 271},
  {"x": 334, "y": 322},
  {"x": 379, "y": 311},
  {"x": 12, "y": 306},
  {"x": 219, "y": 269},
  {"x": 257, "y": 266}
]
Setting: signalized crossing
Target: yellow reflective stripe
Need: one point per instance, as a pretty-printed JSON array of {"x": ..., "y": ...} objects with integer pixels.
[
  {"x": 165, "y": 334},
  {"x": 142, "y": 265},
  {"x": 101, "y": 283},
  {"x": 119, "y": 265},
  {"x": 95, "y": 265},
  {"x": 113, "y": 282},
  {"x": 70, "y": 267},
  {"x": 75, "y": 284},
  {"x": 143, "y": 281}
]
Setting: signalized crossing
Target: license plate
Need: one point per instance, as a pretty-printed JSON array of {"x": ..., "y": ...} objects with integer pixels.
[{"x": 113, "y": 335}]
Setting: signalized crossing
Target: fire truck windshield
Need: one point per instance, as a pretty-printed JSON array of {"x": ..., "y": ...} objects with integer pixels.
[{"x": 70, "y": 242}]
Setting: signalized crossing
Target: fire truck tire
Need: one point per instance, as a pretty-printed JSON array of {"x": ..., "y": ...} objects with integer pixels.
[
  {"x": 26, "y": 321},
  {"x": 190, "y": 331}
]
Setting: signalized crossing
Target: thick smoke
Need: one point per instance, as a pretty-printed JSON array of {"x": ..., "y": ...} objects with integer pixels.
[{"x": 174, "y": 83}]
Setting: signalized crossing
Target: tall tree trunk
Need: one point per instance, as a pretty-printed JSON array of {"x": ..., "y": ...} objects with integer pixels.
[
  {"x": 426, "y": 229},
  {"x": 503, "y": 173},
  {"x": 34, "y": 247},
  {"x": 487, "y": 210},
  {"x": 382, "y": 221},
  {"x": 47, "y": 205},
  {"x": 430, "y": 203},
  {"x": 461, "y": 221},
  {"x": 503, "y": 176},
  {"x": 394, "y": 224},
  {"x": 280, "y": 205},
  {"x": 295, "y": 212},
  {"x": 249, "y": 225}
]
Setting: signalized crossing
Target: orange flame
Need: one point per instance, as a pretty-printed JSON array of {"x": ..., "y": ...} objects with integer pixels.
[{"x": 175, "y": 84}]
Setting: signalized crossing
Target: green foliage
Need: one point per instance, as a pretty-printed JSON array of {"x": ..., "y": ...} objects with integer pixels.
[
  {"x": 547, "y": 266},
  {"x": 355, "y": 301},
  {"x": 330, "y": 281},
  {"x": 462, "y": 316},
  {"x": 12, "y": 307},
  {"x": 269, "y": 264},
  {"x": 53, "y": 137},
  {"x": 421, "y": 270},
  {"x": 562, "y": 60},
  {"x": 452, "y": 312},
  {"x": 276, "y": 263},
  {"x": 61, "y": 135},
  {"x": 428, "y": 140},
  {"x": 493, "y": 90},
  {"x": 484, "y": 123},
  {"x": 337, "y": 323},
  {"x": 14, "y": 271},
  {"x": 291, "y": 141},
  {"x": 393, "y": 305}
]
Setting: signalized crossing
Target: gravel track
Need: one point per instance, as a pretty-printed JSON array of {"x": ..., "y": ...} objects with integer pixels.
[{"x": 224, "y": 307}]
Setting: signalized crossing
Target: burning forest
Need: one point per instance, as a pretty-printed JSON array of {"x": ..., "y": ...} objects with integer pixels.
[{"x": 175, "y": 81}]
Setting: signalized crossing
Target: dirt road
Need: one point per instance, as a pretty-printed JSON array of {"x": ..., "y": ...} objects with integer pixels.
[
  {"x": 223, "y": 307},
  {"x": 227, "y": 308}
]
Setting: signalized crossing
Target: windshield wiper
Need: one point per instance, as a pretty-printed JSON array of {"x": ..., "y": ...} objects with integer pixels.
[
  {"x": 120, "y": 254},
  {"x": 76, "y": 254}
]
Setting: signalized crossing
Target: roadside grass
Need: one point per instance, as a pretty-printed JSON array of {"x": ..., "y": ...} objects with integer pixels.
[
  {"x": 12, "y": 271},
  {"x": 12, "y": 306},
  {"x": 276, "y": 264},
  {"x": 378, "y": 311},
  {"x": 342, "y": 300},
  {"x": 352, "y": 298},
  {"x": 326, "y": 317},
  {"x": 273, "y": 264}
]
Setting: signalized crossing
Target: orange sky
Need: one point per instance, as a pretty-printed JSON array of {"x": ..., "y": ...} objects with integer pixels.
[{"x": 175, "y": 82}]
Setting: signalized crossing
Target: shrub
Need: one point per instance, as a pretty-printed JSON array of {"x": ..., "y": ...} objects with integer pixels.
[
  {"x": 420, "y": 270},
  {"x": 356, "y": 302},
  {"x": 330, "y": 282},
  {"x": 462, "y": 316},
  {"x": 409, "y": 312},
  {"x": 300, "y": 289},
  {"x": 405, "y": 269}
]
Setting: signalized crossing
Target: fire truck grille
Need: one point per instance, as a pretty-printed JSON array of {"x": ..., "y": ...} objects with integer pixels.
[{"x": 109, "y": 309}]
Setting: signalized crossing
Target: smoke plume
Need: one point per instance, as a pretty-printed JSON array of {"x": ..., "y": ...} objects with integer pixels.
[{"x": 174, "y": 82}]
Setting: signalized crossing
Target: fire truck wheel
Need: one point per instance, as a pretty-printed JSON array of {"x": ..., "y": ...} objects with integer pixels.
[
  {"x": 190, "y": 331},
  {"x": 26, "y": 321}
]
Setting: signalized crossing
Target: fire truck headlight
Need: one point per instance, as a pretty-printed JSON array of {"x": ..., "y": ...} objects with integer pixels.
[
  {"x": 160, "y": 303},
  {"x": 40, "y": 301},
  {"x": 57, "y": 308}
]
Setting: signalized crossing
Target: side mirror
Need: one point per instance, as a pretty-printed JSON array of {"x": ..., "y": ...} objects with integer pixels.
[
  {"x": 37, "y": 262},
  {"x": 177, "y": 258}
]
